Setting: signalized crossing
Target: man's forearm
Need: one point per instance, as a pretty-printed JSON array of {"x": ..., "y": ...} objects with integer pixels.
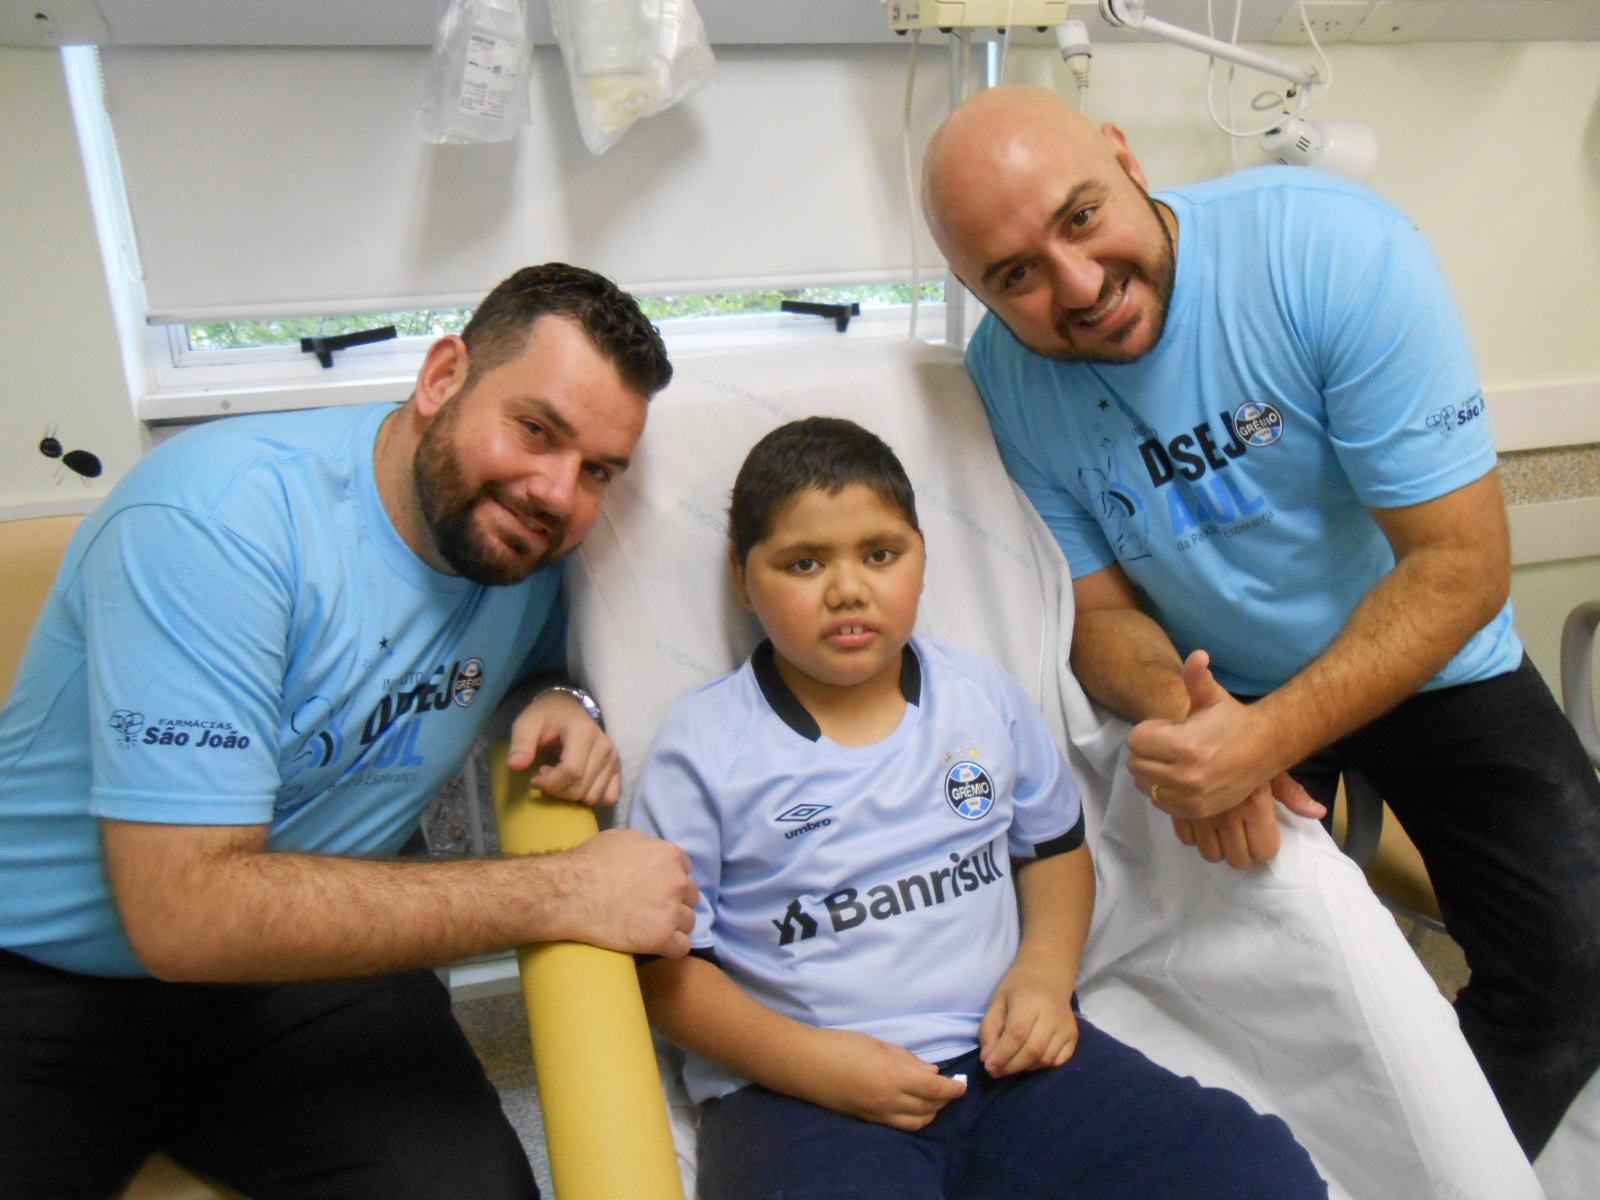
[
  {"x": 1401, "y": 635},
  {"x": 1451, "y": 576},
  {"x": 1126, "y": 661},
  {"x": 214, "y": 905}
]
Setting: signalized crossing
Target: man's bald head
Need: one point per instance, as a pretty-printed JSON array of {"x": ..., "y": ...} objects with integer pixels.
[
  {"x": 993, "y": 137},
  {"x": 1048, "y": 221}
]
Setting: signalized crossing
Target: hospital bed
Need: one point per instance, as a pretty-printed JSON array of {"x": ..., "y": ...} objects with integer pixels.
[{"x": 1288, "y": 983}]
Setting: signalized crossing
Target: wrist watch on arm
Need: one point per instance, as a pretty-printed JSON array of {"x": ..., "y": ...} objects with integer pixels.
[{"x": 578, "y": 694}]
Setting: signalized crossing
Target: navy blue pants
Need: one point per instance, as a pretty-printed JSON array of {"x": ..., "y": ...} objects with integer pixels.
[
  {"x": 1109, "y": 1125},
  {"x": 1490, "y": 782},
  {"x": 359, "y": 1090}
]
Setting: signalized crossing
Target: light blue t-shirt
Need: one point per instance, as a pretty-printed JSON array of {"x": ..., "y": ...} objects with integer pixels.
[
  {"x": 239, "y": 636},
  {"x": 1314, "y": 364},
  {"x": 861, "y": 887}
]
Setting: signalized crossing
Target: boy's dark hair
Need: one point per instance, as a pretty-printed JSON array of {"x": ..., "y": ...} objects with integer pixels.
[
  {"x": 825, "y": 453},
  {"x": 499, "y": 328}
]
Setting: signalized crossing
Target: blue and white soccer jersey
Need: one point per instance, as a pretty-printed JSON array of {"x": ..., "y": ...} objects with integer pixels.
[
  {"x": 240, "y": 637},
  {"x": 861, "y": 887},
  {"x": 1313, "y": 366}
]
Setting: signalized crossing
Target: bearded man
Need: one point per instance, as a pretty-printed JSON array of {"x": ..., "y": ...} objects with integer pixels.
[
  {"x": 1248, "y": 411},
  {"x": 264, "y": 654}
]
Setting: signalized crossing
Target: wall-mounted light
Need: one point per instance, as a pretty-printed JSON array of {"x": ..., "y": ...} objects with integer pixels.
[{"x": 1348, "y": 148}]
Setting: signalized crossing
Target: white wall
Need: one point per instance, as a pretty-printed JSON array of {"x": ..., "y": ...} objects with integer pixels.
[{"x": 59, "y": 359}]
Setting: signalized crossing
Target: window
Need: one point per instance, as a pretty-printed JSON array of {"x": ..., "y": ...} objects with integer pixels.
[
  {"x": 225, "y": 367},
  {"x": 668, "y": 312}
]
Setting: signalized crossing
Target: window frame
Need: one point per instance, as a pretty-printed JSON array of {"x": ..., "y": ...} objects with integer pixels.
[{"x": 188, "y": 385}]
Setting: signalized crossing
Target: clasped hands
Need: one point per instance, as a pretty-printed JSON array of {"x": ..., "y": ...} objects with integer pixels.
[
  {"x": 1029, "y": 1026},
  {"x": 1214, "y": 773}
]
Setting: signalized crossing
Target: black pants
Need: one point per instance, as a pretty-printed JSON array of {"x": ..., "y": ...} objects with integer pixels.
[
  {"x": 344, "y": 1091},
  {"x": 1110, "y": 1124},
  {"x": 1490, "y": 782}
]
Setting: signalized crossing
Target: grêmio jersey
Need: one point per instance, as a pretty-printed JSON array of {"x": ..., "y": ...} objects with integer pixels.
[
  {"x": 239, "y": 636},
  {"x": 861, "y": 887},
  {"x": 1313, "y": 365}
]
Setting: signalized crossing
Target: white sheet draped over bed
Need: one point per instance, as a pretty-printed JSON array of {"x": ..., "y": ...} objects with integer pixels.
[{"x": 1288, "y": 983}]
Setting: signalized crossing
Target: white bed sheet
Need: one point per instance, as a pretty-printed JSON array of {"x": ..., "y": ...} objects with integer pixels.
[{"x": 1288, "y": 983}]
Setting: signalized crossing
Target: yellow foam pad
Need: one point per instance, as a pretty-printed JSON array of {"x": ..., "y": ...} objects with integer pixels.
[{"x": 605, "y": 1114}]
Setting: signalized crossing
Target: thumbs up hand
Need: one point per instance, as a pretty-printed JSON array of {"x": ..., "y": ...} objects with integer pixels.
[
  {"x": 1204, "y": 690},
  {"x": 1216, "y": 772}
]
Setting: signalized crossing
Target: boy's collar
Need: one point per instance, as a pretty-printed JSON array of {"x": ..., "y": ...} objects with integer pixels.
[{"x": 794, "y": 714}]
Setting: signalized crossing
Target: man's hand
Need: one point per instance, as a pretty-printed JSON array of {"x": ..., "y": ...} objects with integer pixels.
[
  {"x": 1215, "y": 774},
  {"x": 1248, "y": 832},
  {"x": 639, "y": 896},
  {"x": 587, "y": 766},
  {"x": 1029, "y": 1026},
  {"x": 864, "y": 1077}
]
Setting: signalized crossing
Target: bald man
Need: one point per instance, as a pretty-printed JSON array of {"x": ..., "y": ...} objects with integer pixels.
[{"x": 1248, "y": 411}]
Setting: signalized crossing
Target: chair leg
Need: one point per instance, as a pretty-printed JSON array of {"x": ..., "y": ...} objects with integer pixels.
[
  {"x": 1366, "y": 814},
  {"x": 1577, "y": 671}
]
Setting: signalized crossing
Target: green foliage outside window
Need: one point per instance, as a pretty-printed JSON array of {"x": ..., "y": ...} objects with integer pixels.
[
  {"x": 239, "y": 335},
  {"x": 432, "y": 323}
]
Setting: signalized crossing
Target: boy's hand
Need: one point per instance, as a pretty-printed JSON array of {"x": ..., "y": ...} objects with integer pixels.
[
  {"x": 867, "y": 1078},
  {"x": 1029, "y": 1025},
  {"x": 585, "y": 765}
]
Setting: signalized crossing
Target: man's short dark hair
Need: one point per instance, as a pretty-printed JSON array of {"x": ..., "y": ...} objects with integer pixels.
[
  {"x": 624, "y": 336},
  {"x": 825, "y": 453}
]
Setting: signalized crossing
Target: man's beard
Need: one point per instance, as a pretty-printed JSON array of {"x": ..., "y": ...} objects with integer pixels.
[
  {"x": 449, "y": 505},
  {"x": 1161, "y": 277}
]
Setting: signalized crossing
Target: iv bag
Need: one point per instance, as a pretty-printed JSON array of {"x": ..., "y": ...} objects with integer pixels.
[
  {"x": 628, "y": 59},
  {"x": 477, "y": 82}
]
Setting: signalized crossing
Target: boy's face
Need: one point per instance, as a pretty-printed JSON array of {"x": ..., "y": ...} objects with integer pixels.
[{"x": 836, "y": 586}]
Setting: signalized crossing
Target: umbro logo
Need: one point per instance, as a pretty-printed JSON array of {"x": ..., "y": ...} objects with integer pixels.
[{"x": 801, "y": 813}]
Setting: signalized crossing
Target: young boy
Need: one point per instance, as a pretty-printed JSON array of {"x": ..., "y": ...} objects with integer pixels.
[{"x": 868, "y": 817}]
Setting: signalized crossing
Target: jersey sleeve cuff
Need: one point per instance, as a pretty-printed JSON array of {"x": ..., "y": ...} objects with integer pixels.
[
  {"x": 180, "y": 810},
  {"x": 1065, "y": 844},
  {"x": 709, "y": 953}
]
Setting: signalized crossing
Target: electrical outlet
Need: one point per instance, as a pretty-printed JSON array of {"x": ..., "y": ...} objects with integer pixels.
[
  {"x": 1330, "y": 20},
  {"x": 1400, "y": 20}
]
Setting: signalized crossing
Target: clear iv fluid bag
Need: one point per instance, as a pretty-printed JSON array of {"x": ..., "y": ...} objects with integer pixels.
[
  {"x": 476, "y": 88},
  {"x": 609, "y": 36}
]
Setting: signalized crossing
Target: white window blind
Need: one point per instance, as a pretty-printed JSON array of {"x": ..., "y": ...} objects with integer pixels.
[{"x": 291, "y": 181}]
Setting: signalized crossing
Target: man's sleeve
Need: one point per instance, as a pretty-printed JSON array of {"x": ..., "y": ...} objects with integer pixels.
[
  {"x": 1001, "y": 372},
  {"x": 674, "y": 801},
  {"x": 549, "y": 650},
  {"x": 1405, "y": 409},
  {"x": 186, "y": 627}
]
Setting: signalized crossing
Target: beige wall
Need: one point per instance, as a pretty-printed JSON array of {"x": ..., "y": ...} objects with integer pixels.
[
  {"x": 1542, "y": 595},
  {"x": 59, "y": 358},
  {"x": 1492, "y": 148}
]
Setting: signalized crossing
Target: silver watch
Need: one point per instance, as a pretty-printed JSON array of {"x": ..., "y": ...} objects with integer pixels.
[{"x": 581, "y": 696}]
